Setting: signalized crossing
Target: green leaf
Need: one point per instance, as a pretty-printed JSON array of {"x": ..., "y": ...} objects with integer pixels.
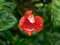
[
  {"x": 1, "y": 1},
  {"x": 52, "y": 38},
  {"x": 7, "y": 35},
  {"x": 57, "y": 42},
  {"x": 24, "y": 42},
  {"x": 56, "y": 38},
  {"x": 34, "y": 0},
  {"x": 7, "y": 19},
  {"x": 2, "y": 42},
  {"x": 49, "y": 38},
  {"x": 38, "y": 5},
  {"x": 56, "y": 13}
]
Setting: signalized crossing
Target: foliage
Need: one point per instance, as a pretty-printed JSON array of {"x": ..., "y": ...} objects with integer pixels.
[{"x": 12, "y": 10}]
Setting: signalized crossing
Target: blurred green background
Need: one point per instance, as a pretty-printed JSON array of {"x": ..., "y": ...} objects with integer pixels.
[{"x": 12, "y": 10}]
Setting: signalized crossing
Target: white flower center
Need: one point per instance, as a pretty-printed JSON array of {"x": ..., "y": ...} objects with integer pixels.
[{"x": 31, "y": 19}]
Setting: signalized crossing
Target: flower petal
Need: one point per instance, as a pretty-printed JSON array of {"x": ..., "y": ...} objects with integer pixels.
[
  {"x": 38, "y": 24},
  {"x": 28, "y": 12},
  {"x": 21, "y": 23},
  {"x": 29, "y": 31}
]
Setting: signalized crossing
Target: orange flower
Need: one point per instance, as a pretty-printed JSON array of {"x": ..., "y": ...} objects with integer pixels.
[{"x": 28, "y": 23}]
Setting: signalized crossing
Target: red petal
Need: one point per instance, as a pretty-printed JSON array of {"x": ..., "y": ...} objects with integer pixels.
[
  {"x": 29, "y": 31},
  {"x": 38, "y": 24},
  {"x": 28, "y": 12},
  {"x": 28, "y": 25},
  {"x": 21, "y": 23}
]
